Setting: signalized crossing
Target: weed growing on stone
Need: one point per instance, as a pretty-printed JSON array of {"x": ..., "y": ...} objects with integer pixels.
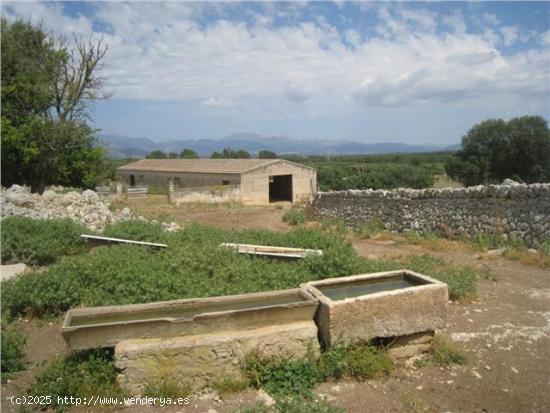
[{"x": 445, "y": 352}]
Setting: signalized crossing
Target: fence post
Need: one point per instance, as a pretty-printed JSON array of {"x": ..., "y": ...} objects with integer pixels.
[{"x": 170, "y": 190}]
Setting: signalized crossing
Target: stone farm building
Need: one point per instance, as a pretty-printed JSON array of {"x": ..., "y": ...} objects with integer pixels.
[{"x": 250, "y": 181}]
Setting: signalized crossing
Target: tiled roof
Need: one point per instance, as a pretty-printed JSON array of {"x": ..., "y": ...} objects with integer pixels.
[{"x": 228, "y": 166}]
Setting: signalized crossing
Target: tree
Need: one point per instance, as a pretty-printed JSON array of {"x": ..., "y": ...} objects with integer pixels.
[
  {"x": 172, "y": 155},
  {"x": 494, "y": 150},
  {"x": 156, "y": 154},
  {"x": 189, "y": 154},
  {"x": 228, "y": 153},
  {"x": 47, "y": 89},
  {"x": 267, "y": 155}
]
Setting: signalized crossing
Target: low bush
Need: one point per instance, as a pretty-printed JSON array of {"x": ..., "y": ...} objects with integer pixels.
[
  {"x": 282, "y": 377},
  {"x": 295, "y": 216},
  {"x": 81, "y": 375},
  {"x": 359, "y": 361},
  {"x": 40, "y": 242},
  {"x": 135, "y": 230},
  {"x": 13, "y": 342},
  {"x": 445, "y": 352},
  {"x": 285, "y": 378}
]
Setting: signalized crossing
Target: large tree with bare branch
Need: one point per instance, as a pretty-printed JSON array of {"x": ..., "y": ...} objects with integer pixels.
[{"x": 48, "y": 87}]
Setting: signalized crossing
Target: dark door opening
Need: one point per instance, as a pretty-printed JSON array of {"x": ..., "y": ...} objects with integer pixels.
[
  {"x": 280, "y": 188},
  {"x": 132, "y": 180}
]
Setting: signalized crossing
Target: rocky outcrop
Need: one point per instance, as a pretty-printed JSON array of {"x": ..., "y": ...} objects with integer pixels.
[
  {"x": 87, "y": 207},
  {"x": 512, "y": 210}
]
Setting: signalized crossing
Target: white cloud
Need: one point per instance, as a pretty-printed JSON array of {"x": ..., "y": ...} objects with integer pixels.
[
  {"x": 163, "y": 51},
  {"x": 510, "y": 34},
  {"x": 217, "y": 102}
]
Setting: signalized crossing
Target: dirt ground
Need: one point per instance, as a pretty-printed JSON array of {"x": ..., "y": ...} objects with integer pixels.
[{"x": 505, "y": 334}]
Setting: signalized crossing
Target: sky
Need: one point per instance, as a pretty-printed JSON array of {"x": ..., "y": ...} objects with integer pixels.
[{"x": 412, "y": 72}]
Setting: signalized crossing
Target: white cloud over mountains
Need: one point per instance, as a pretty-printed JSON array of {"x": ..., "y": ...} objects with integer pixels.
[{"x": 305, "y": 67}]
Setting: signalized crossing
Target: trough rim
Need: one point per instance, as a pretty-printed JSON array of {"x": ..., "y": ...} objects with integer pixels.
[{"x": 430, "y": 284}]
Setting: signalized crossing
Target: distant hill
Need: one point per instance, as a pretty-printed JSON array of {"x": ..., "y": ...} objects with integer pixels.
[{"x": 123, "y": 146}]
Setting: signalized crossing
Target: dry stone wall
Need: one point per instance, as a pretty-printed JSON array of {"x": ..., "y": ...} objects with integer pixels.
[{"x": 515, "y": 211}]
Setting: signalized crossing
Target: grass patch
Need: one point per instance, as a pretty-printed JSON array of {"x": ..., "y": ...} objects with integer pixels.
[
  {"x": 255, "y": 408},
  {"x": 40, "y": 242},
  {"x": 446, "y": 352},
  {"x": 194, "y": 266},
  {"x": 297, "y": 405},
  {"x": 166, "y": 389},
  {"x": 284, "y": 378},
  {"x": 13, "y": 342},
  {"x": 527, "y": 257},
  {"x": 295, "y": 216},
  {"x": 81, "y": 375},
  {"x": 460, "y": 280},
  {"x": 226, "y": 385},
  {"x": 369, "y": 229}
]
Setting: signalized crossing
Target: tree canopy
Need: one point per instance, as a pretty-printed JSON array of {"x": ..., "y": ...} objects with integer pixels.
[
  {"x": 48, "y": 85},
  {"x": 267, "y": 155},
  {"x": 494, "y": 150},
  {"x": 189, "y": 154},
  {"x": 228, "y": 153}
]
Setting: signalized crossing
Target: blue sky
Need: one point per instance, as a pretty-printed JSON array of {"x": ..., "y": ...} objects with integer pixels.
[{"x": 371, "y": 72}]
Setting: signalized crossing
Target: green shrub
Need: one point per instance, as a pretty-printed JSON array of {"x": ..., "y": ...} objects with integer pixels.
[
  {"x": 40, "y": 242},
  {"x": 256, "y": 408},
  {"x": 445, "y": 352},
  {"x": 282, "y": 377},
  {"x": 295, "y": 216},
  {"x": 79, "y": 375},
  {"x": 359, "y": 361},
  {"x": 135, "y": 230},
  {"x": 13, "y": 342}
]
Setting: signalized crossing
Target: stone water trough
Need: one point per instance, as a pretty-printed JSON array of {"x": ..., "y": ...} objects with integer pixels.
[
  {"x": 194, "y": 342},
  {"x": 392, "y": 304},
  {"x": 92, "y": 327},
  {"x": 271, "y": 251}
]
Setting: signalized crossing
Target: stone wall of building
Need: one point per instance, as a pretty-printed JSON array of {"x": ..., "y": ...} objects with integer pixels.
[{"x": 516, "y": 211}]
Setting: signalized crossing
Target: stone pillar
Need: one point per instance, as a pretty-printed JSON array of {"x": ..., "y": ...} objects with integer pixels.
[{"x": 119, "y": 189}]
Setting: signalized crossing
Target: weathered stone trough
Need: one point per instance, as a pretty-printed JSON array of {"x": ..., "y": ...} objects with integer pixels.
[
  {"x": 193, "y": 342},
  {"x": 92, "y": 327},
  {"x": 379, "y": 305},
  {"x": 271, "y": 251}
]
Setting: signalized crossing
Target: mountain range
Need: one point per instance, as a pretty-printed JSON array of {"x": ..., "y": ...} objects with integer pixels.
[{"x": 120, "y": 146}]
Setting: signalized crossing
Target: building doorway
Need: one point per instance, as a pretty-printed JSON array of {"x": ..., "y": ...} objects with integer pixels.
[
  {"x": 132, "y": 180},
  {"x": 280, "y": 188}
]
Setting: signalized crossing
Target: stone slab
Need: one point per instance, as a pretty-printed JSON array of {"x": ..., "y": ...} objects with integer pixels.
[{"x": 196, "y": 361}]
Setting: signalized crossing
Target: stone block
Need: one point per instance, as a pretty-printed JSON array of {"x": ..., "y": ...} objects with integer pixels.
[{"x": 196, "y": 361}]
